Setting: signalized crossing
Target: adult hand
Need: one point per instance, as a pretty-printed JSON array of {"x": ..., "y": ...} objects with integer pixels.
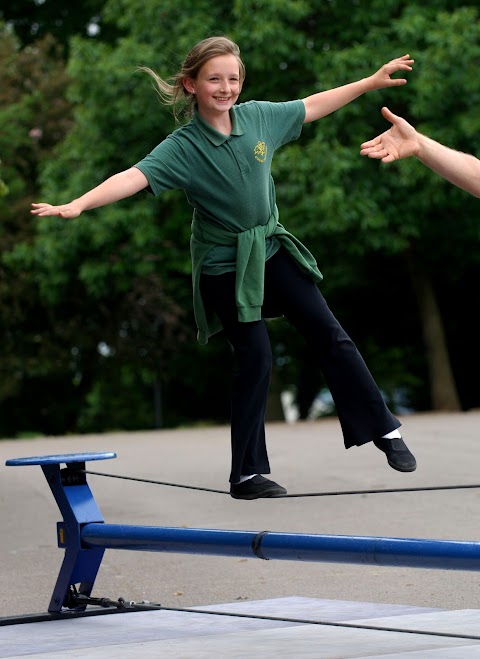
[{"x": 399, "y": 141}]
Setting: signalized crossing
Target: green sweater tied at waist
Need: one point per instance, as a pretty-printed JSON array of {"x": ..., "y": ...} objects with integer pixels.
[{"x": 250, "y": 267}]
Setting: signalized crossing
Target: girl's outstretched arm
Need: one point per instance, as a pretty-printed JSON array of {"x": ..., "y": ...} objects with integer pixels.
[
  {"x": 402, "y": 140},
  {"x": 121, "y": 185},
  {"x": 323, "y": 103}
]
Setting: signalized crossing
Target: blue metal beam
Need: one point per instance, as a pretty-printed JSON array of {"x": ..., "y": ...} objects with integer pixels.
[{"x": 363, "y": 550}]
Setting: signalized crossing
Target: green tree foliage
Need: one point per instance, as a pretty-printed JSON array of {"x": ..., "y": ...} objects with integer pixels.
[
  {"x": 34, "y": 116},
  {"x": 120, "y": 275},
  {"x": 35, "y": 20},
  {"x": 113, "y": 288},
  {"x": 359, "y": 209}
]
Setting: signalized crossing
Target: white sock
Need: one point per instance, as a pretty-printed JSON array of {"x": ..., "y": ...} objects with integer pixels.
[
  {"x": 392, "y": 435},
  {"x": 245, "y": 478}
]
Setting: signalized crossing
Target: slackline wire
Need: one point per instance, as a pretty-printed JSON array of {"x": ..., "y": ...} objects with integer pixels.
[
  {"x": 290, "y": 496},
  {"x": 327, "y": 623},
  {"x": 125, "y": 605}
]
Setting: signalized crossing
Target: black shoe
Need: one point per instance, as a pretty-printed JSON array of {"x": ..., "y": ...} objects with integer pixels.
[
  {"x": 398, "y": 455},
  {"x": 257, "y": 487}
]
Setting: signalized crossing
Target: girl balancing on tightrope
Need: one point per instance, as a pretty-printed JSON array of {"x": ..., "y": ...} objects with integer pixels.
[{"x": 246, "y": 265}]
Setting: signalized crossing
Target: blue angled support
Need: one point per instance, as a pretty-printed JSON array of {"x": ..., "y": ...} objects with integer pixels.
[{"x": 78, "y": 507}]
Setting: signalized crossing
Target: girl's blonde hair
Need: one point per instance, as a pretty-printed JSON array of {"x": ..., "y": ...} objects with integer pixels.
[{"x": 173, "y": 92}]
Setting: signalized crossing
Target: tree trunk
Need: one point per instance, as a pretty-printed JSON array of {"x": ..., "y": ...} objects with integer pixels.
[
  {"x": 274, "y": 410},
  {"x": 443, "y": 390},
  {"x": 157, "y": 403}
]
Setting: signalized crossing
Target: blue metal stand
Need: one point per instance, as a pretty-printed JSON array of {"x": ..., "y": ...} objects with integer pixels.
[
  {"x": 78, "y": 507},
  {"x": 84, "y": 536}
]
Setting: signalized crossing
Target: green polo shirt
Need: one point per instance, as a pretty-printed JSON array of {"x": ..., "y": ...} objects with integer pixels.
[{"x": 227, "y": 179}]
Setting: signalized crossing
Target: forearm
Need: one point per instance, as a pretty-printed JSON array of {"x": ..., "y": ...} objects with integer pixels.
[
  {"x": 119, "y": 186},
  {"x": 324, "y": 103},
  {"x": 461, "y": 169}
]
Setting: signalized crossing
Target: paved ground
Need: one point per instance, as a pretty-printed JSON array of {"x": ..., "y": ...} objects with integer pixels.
[
  {"x": 338, "y": 630},
  {"x": 305, "y": 457}
]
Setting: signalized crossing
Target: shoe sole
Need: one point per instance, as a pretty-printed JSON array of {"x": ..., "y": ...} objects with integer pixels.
[
  {"x": 402, "y": 469},
  {"x": 259, "y": 495}
]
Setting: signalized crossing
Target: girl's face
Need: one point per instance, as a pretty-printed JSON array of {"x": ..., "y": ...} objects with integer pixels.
[{"x": 217, "y": 85}]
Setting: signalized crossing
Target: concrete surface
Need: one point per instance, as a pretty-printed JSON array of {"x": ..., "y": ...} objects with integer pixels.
[
  {"x": 305, "y": 457},
  {"x": 350, "y": 631}
]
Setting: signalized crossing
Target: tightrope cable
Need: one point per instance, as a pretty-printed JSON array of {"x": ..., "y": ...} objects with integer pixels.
[
  {"x": 428, "y": 488},
  {"x": 126, "y": 605},
  {"x": 326, "y": 623}
]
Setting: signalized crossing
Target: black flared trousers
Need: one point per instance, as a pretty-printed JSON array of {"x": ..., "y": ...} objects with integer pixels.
[{"x": 289, "y": 292}]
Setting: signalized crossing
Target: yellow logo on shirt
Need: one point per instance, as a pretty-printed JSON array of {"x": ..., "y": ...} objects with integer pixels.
[{"x": 260, "y": 152}]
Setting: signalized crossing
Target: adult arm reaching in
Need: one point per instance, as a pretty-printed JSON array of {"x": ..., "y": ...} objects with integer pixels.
[{"x": 402, "y": 140}]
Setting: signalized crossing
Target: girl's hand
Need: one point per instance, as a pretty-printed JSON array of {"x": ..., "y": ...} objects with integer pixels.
[
  {"x": 382, "y": 78},
  {"x": 66, "y": 211}
]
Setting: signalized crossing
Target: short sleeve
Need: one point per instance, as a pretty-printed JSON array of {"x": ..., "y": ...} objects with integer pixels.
[
  {"x": 283, "y": 120},
  {"x": 166, "y": 167}
]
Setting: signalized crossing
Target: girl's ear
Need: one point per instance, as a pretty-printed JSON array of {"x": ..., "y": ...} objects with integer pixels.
[{"x": 189, "y": 85}]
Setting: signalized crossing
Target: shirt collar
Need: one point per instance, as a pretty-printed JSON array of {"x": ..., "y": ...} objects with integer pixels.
[{"x": 214, "y": 135}]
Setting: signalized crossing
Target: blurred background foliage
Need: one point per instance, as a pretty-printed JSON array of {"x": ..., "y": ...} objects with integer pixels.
[{"x": 96, "y": 320}]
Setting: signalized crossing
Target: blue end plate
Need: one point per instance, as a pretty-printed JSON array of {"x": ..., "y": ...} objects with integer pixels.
[{"x": 59, "y": 459}]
